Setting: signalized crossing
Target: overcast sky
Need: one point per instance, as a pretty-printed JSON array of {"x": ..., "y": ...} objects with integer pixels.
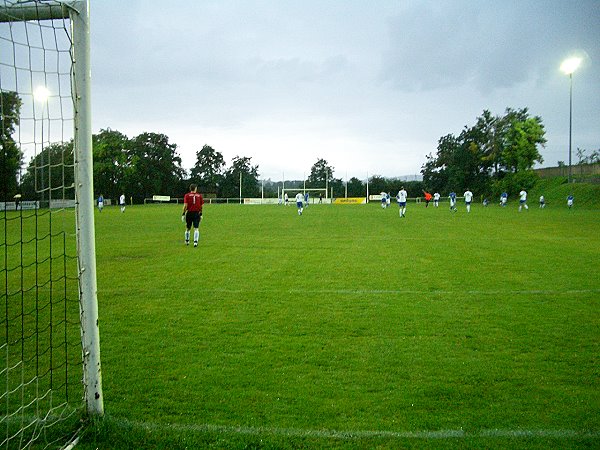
[{"x": 370, "y": 86}]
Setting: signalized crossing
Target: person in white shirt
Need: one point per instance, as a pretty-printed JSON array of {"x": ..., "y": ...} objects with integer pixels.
[
  {"x": 523, "y": 199},
  {"x": 542, "y": 201},
  {"x": 122, "y": 202},
  {"x": 468, "y": 199},
  {"x": 436, "y": 199},
  {"x": 300, "y": 202},
  {"x": 383, "y": 200},
  {"x": 402, "y": 195}
]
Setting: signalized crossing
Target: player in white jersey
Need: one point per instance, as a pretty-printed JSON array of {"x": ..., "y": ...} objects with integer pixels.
[
  {"x": 436, "y": 199},
  {"x": 468, "y": 199},
  {"x": 122, "y": 202},
  {"x": 402, "y": 195},
  {"x": 542, "y": 201},
  {"x": 570, "y": 201},
  {"x": 300, "y": 203},
  {"x": 523, "y": 199},
  {"x": 383, "y": 200}
]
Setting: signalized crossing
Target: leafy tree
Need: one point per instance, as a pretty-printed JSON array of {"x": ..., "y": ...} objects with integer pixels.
[
  {"x": 520, "y": 152},
  {"x": 50, "y": 174},
  {"x": 377, "y": 184},
  {"x": 111, "y": 169},
  {"x": 321, "y": 174},
  {"x": 336, "y": 185},
  {"x": 208, "y": 172},
  {"x": 241, "y": 165},
  {"x": 155, "y": 167},
  {"x": 581, "y": 155},
  {"x": 356, "y": 188},
  {"x": 11, "y": 156},
  {"x": 487, "y": 156}
]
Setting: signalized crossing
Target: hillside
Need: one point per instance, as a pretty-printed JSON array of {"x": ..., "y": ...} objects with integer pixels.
[{"x": 556, "y": 190}]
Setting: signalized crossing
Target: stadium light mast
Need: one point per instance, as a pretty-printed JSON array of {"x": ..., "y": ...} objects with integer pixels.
[{"x": 569, "y": 66}]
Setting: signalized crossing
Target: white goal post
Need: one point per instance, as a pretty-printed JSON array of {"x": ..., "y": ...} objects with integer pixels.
[
  {"x": 293, "y": 191},
  {"x": 45, "y": 15}
]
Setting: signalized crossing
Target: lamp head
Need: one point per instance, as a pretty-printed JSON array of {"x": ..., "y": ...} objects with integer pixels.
[{"x": 570, "y": 65}]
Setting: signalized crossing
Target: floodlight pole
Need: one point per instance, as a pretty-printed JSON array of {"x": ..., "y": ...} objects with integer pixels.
[
  {"x": 570, "y": 121},
  {"x": 569, "y": 66}
]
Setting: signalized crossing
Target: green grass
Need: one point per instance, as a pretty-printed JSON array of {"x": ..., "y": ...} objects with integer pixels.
[
  {"x": 349, "y": 327},
  {"x": 557, "y": 189}
]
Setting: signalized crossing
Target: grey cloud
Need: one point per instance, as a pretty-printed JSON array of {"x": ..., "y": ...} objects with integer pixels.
[{"x": 484, "y": 44}]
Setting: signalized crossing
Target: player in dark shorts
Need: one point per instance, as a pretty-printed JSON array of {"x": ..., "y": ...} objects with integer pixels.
[{"x": 192, "y": 210}]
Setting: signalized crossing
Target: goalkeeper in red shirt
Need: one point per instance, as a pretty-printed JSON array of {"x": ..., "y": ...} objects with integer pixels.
[{"x": 192, "y": 213}]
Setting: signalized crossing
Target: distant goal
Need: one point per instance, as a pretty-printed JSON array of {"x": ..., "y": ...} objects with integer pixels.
[{"x": 315, "y": 195}]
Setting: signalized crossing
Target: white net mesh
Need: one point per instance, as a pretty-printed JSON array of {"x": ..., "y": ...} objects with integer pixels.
[{"x": 40, "y": 363}]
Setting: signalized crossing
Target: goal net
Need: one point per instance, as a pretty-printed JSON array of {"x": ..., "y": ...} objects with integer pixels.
[{"x": 49, "y": 342}]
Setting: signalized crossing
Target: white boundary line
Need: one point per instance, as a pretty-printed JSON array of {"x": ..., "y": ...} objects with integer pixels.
[
  {"x": 358, "y": 434},
  {"x": 406, "y": 292},
  {"x": 382, "y": 291}
]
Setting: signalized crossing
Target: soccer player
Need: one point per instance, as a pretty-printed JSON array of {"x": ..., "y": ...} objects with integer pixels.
[
  {"x": 503, "y": 199},
  {"x": 468, "y": 199},
  {"x": 122, "y": 202},
  {"x": 383, "y": 200},
  {"x": 299, "y": 203},
  {"x": 452, "y": 198},
  {"x": 570, "y": 201},
  {"x": 306, "y": 199},
  {"x": 192, "y": 210},
  {"x": 436, "y": 199},
  {"x": 523, "y": 200},
  {"x": 100, "y": 202},
  {"x": 402, "y": 195},
  {"x": 542, "y": 201},
  {"x": 428, "y": 198},
  {"x": 287, "y": 200}
]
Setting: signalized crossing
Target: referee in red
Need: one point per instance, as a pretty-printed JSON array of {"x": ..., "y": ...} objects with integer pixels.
[{"x": 192, "y": 210}]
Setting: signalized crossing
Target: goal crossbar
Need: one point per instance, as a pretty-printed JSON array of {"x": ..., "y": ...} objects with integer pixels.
[{"x": 38, "y": 11}]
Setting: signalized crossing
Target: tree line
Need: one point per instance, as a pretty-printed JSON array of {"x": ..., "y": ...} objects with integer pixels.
[{"x": 496, "y": 154}]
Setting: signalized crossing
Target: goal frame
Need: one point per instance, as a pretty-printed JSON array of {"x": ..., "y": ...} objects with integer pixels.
[
  {"x": 303, "y": 190},
  {"x": 78, "y": 13}
]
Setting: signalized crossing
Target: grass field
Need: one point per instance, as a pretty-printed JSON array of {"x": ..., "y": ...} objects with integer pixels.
[{"x": 349, "y": 327}]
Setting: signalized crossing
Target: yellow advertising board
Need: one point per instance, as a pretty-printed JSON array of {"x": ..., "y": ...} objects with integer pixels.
[{"x": 350, "y": 201}]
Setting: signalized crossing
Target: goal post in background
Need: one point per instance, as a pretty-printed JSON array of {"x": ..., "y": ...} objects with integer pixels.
[
  {"x": 49, "y": 326},
  {"x": 310, "y": 191}
]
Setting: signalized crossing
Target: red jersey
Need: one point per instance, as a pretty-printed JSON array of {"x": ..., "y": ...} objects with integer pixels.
[
  {"x": 427, "y": 196},
  {"x": 194, "y": 201}
]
